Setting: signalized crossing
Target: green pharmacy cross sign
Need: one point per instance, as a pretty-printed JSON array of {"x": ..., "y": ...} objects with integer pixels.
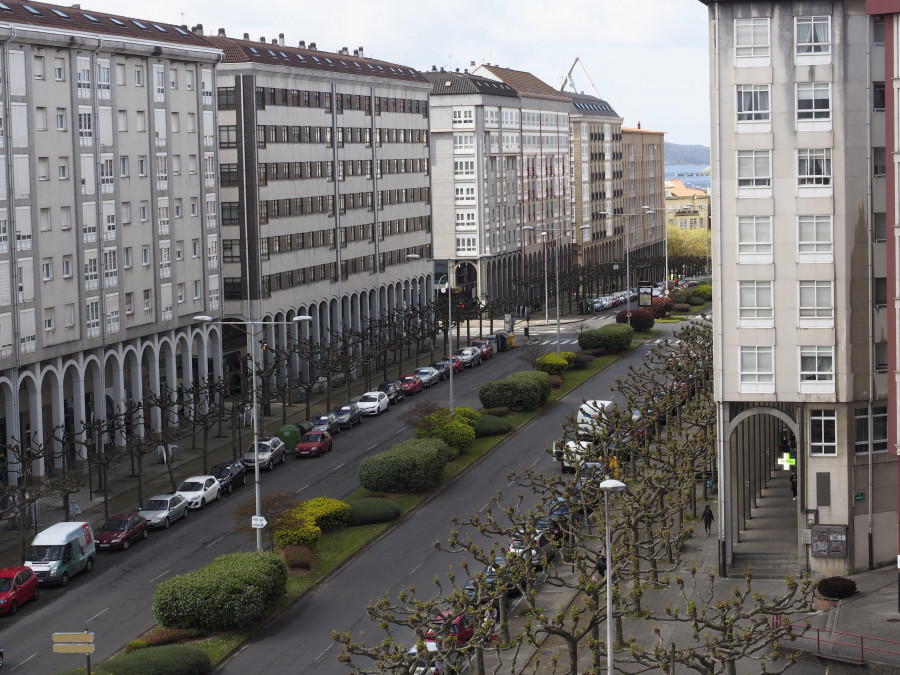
[{"x": 786, "y": 461}]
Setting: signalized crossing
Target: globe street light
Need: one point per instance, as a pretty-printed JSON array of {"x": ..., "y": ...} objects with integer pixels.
[
  {"x": 257, "y": 519},
  {"x": 608, "y": 486}
]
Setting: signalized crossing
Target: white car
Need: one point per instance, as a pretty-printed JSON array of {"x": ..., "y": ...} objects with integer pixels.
[
  {"x": 197, "y": 491},
  {"x": 271, "y": 452},
  {"x": 434, "y": 664},
  {"x": 571, "y": 454},
  {"x": 591, "y": 418},
  {"x": 373, "y": 403}
]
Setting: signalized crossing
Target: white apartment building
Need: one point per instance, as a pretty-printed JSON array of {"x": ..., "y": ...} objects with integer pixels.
[
  {"x": 108, "y": 228},
  {"x": 325, "y": 188},
  {"x": 800, "y": 276}
]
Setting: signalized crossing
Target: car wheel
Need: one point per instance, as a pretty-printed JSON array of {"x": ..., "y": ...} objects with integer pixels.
[
  {"x": 244, "y": 479},
  {"x": 89, "y": 565},
  {"x": 14, "y": 607},
  {"x": 202, "y": 502},
  {"x": 65, "y": 580},
  {"x": 145, "y": 534},
  {"x": 126, "y": 545},
  {"x": 185, "y": 514},
  {"x": 166, "y": 524},
  {"x": 282, "y": 458},
  {"x": 377, "y": 412},
  {"x": 37, "y": 593}
]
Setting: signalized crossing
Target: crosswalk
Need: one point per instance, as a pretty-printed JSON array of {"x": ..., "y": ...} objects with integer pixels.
[{"x": 574, "y": 341}]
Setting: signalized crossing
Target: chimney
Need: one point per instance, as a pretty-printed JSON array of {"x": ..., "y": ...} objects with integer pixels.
[
  {"x": 198, "y": 29},
  {"x": 302, "y": 44},
  {"x": 433, "y": 69},
  {"x": 355, "y": 52},
  {"x": 76, "y": 6},
  {"x": 274, "y": 41},
  {"x": 262, "y": 38},
  {"x": 246, "y": 36},
  {"x": 281, "y": 39},
  {"x": 362, "y": 54},
  {"x": 312, "y": 45},
  {"x": 222, "y": 32},
  {"x": 344, "y": 51},
  {"x": 639, "y": 124},
  {"x": 472, "y": 65}
]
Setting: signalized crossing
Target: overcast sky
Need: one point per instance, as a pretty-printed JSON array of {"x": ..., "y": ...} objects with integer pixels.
[{"x": 648, "y": 58}]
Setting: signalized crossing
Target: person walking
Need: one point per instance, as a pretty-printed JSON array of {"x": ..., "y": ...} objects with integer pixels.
[
  {"x": 708, "y": 519},
  {"x": 794, "y": 484}
]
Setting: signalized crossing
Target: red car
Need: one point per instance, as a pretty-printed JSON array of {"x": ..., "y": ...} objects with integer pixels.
[
  {"x": 486, "y": 348},
  {"x": 457, "y": 363},
  {"x": 411, "y": 384},
  {"x": 314, "y": 444},
  {"x": 460, "y": 630},
  {"x": 18, "y": 585},
  {"x": 119, "y": 531}
]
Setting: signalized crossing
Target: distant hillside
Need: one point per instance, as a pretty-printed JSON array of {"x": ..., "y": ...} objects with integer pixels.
[{"x": 687, "y": 154}]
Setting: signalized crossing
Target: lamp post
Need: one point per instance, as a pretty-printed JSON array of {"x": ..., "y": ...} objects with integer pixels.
[
  {"x": 608, "y": 486},
  {"x": 252, "y": 354}
]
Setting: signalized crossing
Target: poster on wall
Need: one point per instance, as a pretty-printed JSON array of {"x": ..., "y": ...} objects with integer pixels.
[{"x": 645, "y": 294}]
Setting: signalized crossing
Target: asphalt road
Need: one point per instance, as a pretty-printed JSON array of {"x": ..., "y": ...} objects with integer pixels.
[{"x": 301, "y": 641}]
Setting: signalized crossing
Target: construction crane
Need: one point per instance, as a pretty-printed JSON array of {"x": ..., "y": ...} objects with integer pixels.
[{"x": 571, "y": 83}]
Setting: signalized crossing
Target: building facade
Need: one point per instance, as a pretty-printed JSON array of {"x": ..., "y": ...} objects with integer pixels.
[
  {"x": 643, "y": 220},
  {"x": 801, "y": 312}
]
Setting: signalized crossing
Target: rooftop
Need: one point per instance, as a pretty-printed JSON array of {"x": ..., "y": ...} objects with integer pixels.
[{"x": 447, "y": 83}]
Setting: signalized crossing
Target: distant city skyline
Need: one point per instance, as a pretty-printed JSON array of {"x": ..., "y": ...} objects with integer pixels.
[{"x": 648, "y": 58}]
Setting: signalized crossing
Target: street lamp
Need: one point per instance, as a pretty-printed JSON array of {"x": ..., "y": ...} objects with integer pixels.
[
  {"x": 251, "y": 352},
  {"x": 608, "y": 486}
]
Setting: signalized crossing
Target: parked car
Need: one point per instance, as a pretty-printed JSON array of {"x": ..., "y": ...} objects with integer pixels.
[
  {"x": 412, "y": 384},
  {"x": 456, "y": 363},
  {"x": 347, "y": 414},
  {"x": 162, "y": 510},
  {"x": 197, "y": 491},
  {"x": 471, "y": 356},
  {"x": 443, "y": 368},
  {"x": 460, "y": 630},
  {"x": 572, "y": 454},
  {"x": 373, "y": 403},
  {"x": 314, "y": 444},
  {"x": 120, "y": 531},
  {"x": 271, "y": 452},
  {"x": 536, "y": 547},
  {"x": 428, "y": 375},
  {"x": 229, "y": 474},
  {"x": 481, "y": 588},
  {"x": 18, "y": 585},
  {"x": 432, "y": 663},
  {"x": 485, "y": 347},
  {"x": 327, "y": 422},
  {"x": 393, "y": 390},
  {"x": 172, "y": 454},
  {"x": 591, "y": 417}
]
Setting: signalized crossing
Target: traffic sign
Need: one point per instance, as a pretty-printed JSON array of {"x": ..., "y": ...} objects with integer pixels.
[
  {"x": 73, "y": 648},
  {"x": 73, "y": 637},
  {"x": 258, "y": 522},
  {"x": 786, "y": 461}
]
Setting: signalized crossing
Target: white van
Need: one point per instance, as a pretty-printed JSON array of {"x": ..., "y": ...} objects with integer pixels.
[
  {"x": 591, "y": 418},
  {"x": 62, "y": 551}
]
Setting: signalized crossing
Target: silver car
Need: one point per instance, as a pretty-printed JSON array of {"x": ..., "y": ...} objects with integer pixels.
[
  {"x": 429, "y": 376},
  {"x": 162, "y": 510},
  {"x": 471, "y": 356},
  {"x": 271, "y": 452}
]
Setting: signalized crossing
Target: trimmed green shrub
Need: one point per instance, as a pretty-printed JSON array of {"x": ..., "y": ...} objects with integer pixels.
[
  {"x": 165, "y": 660},
  {"x": 616, "y": 337},
  {"x": 240, "y": 586},
  {"x": 492, "y": 426},
  {"x": 704, "y": 291},
  {"x": 680, "y": 295},
  {"x": 582, "y": 361},
  {"x": 372, "y": 510},
  {"x": 305, "y": 523},
  {"x": 500, "y": 411},
  {"x": 681, "y": 308},
  {"x": 168, "y": 636},
  {"x": 428, "y": 423},
  {"x": 696, "y": 301},
  {"x": 555, "y": 381},
  {"x": 641, "y": 319},
  {"x": 436, "y": 445},
  {"x": 404, "y": 467},
  {"x": 836, "y": 588},
  {"x": 599, "y": 351},
  {"x": 569, "y": 357},
  {"x": 495, "y": 394},
  {"x": 551, "y": 364},
  {"x": 522, "y": 391},
  {"x": 591, "y": 339},
  {"x": 661, "y": 307},
  {"x": 456, "y": 434},
  {"x": 466, "y": 415}
]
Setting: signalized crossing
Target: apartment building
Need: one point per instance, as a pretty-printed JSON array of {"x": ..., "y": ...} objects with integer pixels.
[
  {"x": 325, "y": 187},
  {"x": 108, "y": 220},
  {"x": 644, "y": 230},
  {"x": 686, "y": 208},
  {"x": 802, "y": 324}
]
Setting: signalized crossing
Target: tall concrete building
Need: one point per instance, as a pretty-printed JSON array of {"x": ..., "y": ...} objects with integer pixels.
[
  {"x": 108, "y": 220},
  {"x": 644, "y": 230},
  {"x": 325, "y": 188},
  {"x": 802, "y": 319}
]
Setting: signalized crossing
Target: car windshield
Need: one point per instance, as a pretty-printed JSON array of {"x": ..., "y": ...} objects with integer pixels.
[
  {"x": 408, "y": 379},
  {"x": 367, "y": 399},
  {"x": 345, "y": 410},
  {"x": 156, "y": 505},
  {"x": 220, "y": 471},
  {"x": 5, "y": 584},
  {"x": 312, "y": 438},
  {"x": 45, "y": 553},
  {"x": 190, "y": 486},
  {"x": 114, "y": 526},
  {"x": 517, "y": 543}
]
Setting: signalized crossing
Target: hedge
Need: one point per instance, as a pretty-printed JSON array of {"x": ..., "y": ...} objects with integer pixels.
[
  {"x": 523, "y": 391},
  {"x": 696, "y": 301},
  {"x": 408, "y": 466},
  {"x": 492, "y": 426},
  {"x": 499, "y": 411},
  {"x": 704, "y": 291},
  {"x": 551, "y": 364},
  {"x": 591, "y": 339},
  {"x": 682, "y": 308},
  {"x": 679, "y": 296},
  {"x": 372, "y": 510},
  {"x": 569, "y": 357},
  {"x": 616, "y": 336},
  {"x": 641, "y": 319},
  {"x": 305, "y": 523},
  {"x": 445, "y": 453},
  {"x": 164, "y": 660},
  {"x": 556, "y": 381},
  {"x": 237, "y": 587},
  {"x": 582, "y": 361},
  {"x": 661, "y": 307},
  {"x": 466, "y": 415},
  {"x": 457, "y": 434}
]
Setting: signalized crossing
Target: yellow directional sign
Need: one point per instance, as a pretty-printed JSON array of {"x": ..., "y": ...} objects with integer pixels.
[
  {"x": 73, "y": 648},
  {"x": 73, "y": 637}
]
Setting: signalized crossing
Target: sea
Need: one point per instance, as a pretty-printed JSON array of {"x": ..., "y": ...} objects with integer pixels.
[{"x": 689, "y": 174}]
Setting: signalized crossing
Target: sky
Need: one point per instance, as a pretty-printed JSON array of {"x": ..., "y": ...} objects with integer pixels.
[{"x": 647, "y": 58}]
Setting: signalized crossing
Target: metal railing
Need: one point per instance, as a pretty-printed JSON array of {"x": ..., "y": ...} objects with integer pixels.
[{"x": 848, "y": 644}]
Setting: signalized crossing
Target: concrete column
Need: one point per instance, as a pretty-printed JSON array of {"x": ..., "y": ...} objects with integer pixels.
[
  {"x": 35, "y": 421},
  {"x": 153, "y": 386},
  {"x": 58, "y": 420},
  {"x": 172, "y": 382},
  {"x": 79, "y": 414}
]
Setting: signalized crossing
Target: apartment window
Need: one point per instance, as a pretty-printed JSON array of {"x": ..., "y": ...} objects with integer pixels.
[
  {"x": 59, "y": 70},
  {"x": 126, "y": 213},
  {"x": 753, "y": 103},
  {"x": 815, "y": 239},
  {"x": 822, "y": 432},
  {"x": 751, "y": 37},
  {"x": 463, "y": 142},
  {"x": 878, "y": 96},
  {"x": 122, "y": 120},
  {"x": 127, "y": 257},
  {"x": 195, "y": 248},
  {"x": 881, "y": 291},
  {"x": 139, "y": 76},
  {"x": 197, "y": 289},
  {"x": 880, "y": 226},
  {"x": 142, "y": 166},
  {"x": 195, "y": 206},
  {"x": 129, "y": 303},
  {"x": 49, "y": 318},
  {"x": 38, "y": 67},
  {"x": 878, "y": 30},
  {"x": 70, "y": 314},
  {"x": 40, "y": 119},
  {"x": 227, "y": 136},
  {"x": 179, "y": 250},
  {"x": 814, "y": 167},
  {"x": 123, "y": 167},
  {"x": 61, "y": 119},
  {"x": 140, "y": 120},
  {"x": 47, "y": 269},
  {"x": 180, "y": 291},
  {"x": 879, "y": 162},
  {"x": 178, "y": 208},
  {"x": 813, "y": 101},
  {"x": 67, "y": 267},
  {"x": 881, "y": 357},
  {"x": 754, "y": 168},
  {"x": 191, "y": 123},
  {"x": 757, "y": 369},
  {"x": 148, "y": 300},
  {"x": 755, "y": 238},
  {"x": 175, "y": 122},
  {"x": 44, "y": 219},
  {"x": 755, "y": 302},
  {"x": 817, "y": 364},
  {"x": 813, "y": 34},
  {"x": 463, "y": 167},
  {"x": 43, "y": 168},
  {"x": 879, "y": 429},
  {"x": 145, "y": 255},
  {"x": 816, "y": 300}
]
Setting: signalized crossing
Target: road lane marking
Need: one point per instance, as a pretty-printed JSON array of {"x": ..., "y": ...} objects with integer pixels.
[
  {"x": 303, "y": 488},
  {"x": 96, "y": 615},
  {"x": 338, "y": 467},
  {"x": 484, "y": 507},
  {"x": 536, "y": 461},
  {"x": 325, "y": 651},
  {"x": 399, "y": 431},
  {"x": 413, "y": 570},
  {"x": 161, "y": 575},
  {"x": 214, "y": 541},
  {"x": 24, "y": 662},
  {"x": 373, "y": 446}
]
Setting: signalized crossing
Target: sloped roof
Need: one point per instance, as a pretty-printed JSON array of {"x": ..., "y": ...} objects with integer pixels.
[
  {"x": 446, "y": 83},
  {"x": 582, "y": 104},
  {"x": 71, "y": 18},
  {"x": 247, "y": 51},
  {"x": 678, "y": 189},
  {"x": 641, "y": 131},
  {"x": 525, "y": 84}
]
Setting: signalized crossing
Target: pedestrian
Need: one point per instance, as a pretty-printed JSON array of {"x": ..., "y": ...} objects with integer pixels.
[
  {"x": 794, "y": 483},
  {"x": 707, "y": 518}
]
